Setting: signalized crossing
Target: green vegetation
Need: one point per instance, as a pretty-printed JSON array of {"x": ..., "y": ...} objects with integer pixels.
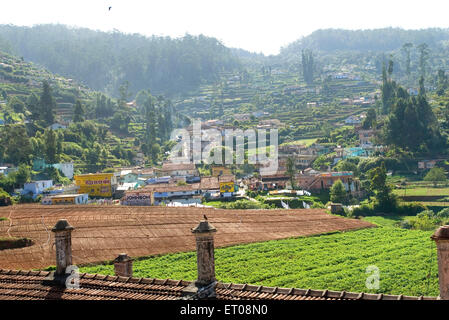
[
  {"x": 335, "y": 261},
  {"x": 338, "y": 193},
  {"x": 105, "y": 60},
  {"x": 238, "y": 204},
  {"x": 436, "y": 175},
  {"x": 427, "y": 220}
]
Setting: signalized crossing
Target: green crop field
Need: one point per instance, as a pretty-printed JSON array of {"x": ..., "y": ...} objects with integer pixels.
[
  {"x": 306, "y": 142},
  {"x": 419, "y": 191},
  {"x": 335, "y": 261}
]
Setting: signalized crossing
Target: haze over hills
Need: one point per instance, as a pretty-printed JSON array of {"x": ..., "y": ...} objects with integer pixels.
[{"x": 167, "y": 65}]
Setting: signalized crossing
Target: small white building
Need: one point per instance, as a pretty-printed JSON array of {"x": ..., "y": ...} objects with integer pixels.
[
  {"x": 66, "y": 168},
  {"x": 56, "y": 126},
  {"x": 37, "y": 187}
]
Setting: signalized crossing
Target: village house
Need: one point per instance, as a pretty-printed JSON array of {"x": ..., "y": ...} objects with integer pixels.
[
  {"x": 177, "y": 169},
  {"x": 315, "y": 181},
  {"x": 66, "y": 199},
  {"x": 58, "y": 125},
  {"x": 96, "y": 185},
  {"x": 67, "y": 169},
  {"x": 242, "y": 116},
  {"x": 366, "y": 137},
  {"x": 220, "y": 170},
  {"x": 36, "y": 188},
  {"x": 427, "y": 164}
]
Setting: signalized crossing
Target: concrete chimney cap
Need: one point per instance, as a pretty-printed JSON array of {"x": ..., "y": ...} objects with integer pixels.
[
  {"x": 204, "y": 227},
  {"x": 62, "y": 225},
  {"x": 442, "y": 233},
  {"x": 122, "y": 257}
]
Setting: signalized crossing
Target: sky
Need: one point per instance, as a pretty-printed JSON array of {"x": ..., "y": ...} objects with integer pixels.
[{"x": 255, "y": 25}]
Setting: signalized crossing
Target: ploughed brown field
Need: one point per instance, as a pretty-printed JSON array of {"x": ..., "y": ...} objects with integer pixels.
[{"x": 102, "y": 232}]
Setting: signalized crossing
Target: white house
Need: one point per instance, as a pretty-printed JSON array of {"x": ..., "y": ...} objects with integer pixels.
[
  {"x": 56, "y": 126},
  {"x": 36, "y": 187},
  {"x": 66, "y": 168}
]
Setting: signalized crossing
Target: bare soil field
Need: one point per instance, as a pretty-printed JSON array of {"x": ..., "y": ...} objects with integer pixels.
[{"x": 102, "y": 232}]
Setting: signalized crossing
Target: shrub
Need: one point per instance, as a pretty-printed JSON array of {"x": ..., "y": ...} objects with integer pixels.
[
  {"x": 410, "y": 209},
  {"x": 5, "y": 198},
  {"x": 366, "y": 209},
  {"x": 243, "y": 204}
]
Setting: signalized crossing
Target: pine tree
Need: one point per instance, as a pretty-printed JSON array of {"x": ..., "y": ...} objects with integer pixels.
[
  {"x": 47, "y": 105},
  {"x": 78, "y": 113},
  {"x": 50, "y": 146}
]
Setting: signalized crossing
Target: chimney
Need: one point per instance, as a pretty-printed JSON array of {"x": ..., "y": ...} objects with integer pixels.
[
  {"x": 204, "y": 235},
  {"x": 204, "y": 286},
  {"x": 63, "y": 242},
  {"x": 441, "y": 237},
  {"x": 123, "y": 265}
]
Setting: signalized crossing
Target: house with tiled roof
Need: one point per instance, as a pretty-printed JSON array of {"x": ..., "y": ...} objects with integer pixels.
[{"x": 66, "y": 284}]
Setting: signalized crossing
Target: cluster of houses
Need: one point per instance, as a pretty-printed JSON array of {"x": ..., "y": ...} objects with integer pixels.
[{"x": 172, "y": 184}]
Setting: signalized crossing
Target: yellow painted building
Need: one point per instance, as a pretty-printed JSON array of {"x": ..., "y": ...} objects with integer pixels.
[
  {"x": 227, "y": 187},
  {"x": 95, "y": 185}
]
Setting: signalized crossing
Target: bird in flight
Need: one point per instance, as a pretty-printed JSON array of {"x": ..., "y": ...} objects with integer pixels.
[{"x": 205, "y": 218}]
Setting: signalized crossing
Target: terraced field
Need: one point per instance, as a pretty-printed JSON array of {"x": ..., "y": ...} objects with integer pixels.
[{"x": 102, "y": 232}]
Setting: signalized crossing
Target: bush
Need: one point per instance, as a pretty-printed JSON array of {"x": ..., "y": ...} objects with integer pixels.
[
  {"x": 410, "y": 209},
  {"x": 243, "y": 204},
  {"x": 366, "y": 209},
  {"x": 428, "y": 220},
  {"x": 5, "y": 198}
]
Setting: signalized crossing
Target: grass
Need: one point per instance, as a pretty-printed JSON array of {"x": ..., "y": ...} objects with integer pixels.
[
  {"x": 423, "y": 191},
  {"x": 2, "y": 218},
  {"x": 306, "y": 142},
  {"x": 335, "y": 261}
]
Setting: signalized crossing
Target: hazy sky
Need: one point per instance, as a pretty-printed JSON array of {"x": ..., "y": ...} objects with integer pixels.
[{"x": 260, "y": 26}]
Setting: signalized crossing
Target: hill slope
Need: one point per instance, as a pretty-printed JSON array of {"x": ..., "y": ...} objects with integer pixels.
[{"x": 105, "y": 60}]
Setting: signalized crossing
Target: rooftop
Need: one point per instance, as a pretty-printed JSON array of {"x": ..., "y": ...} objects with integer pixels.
[{"x": 31, "y": 285}]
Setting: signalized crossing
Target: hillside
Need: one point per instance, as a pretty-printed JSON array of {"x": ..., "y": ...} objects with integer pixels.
[
  {"x": 104, "y": 61},
  {"x": 108, "y": 134},
  {"x": 386, "y": 39}
]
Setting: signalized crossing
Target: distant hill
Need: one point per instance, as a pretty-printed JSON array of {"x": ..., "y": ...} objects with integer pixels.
[
  {"x": 385, "y": 39},
  {"x": 104, "y": 60}
]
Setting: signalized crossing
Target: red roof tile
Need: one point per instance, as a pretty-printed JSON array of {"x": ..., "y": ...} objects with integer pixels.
[{"x": 26, "y": 285}]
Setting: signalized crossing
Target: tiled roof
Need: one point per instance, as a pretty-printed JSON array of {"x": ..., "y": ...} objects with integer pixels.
[
  {"x": 31, "y": 285},
  {"x": 170, "y": 166}
]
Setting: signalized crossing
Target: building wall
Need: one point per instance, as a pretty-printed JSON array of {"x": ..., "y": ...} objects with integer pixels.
[{"x": 96, "y": 185}]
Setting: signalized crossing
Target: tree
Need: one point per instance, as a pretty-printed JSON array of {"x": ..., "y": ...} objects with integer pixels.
[
  {"x": 16, "y": 144},
  {"x": 386, "y": 201},
  {"x": 346, "y": 165},
  {"x": 51, "y": 146},
  {"x": 17, "y": 105},
  {"x": 47, "y": 104},
  {"x": 78, "y": 113},
  {"x": 338, "y": 192},
  {"x": 23, "y": 174},
  {"x": 412, "y": 125},
  {"x": 423, "y": 57},
  {"x": 387, "y": 89},
  {"x": 307, "y": 66},
  {"x": 370, "y": 121},
  {"x": 436, "y": 175},
  {"x": 442, "y": 82},
  {"x": 406, "y": 49},
  {"x": 291, "y": 170}
]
